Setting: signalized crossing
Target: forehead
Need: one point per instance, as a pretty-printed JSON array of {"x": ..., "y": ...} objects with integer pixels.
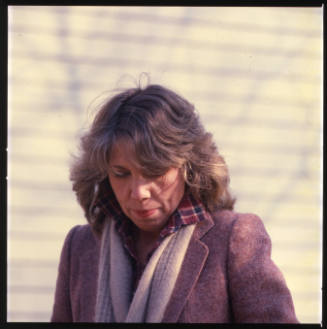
[{"x": 123, "y": 152}]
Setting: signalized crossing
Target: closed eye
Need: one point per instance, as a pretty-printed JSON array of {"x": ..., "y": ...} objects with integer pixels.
[
  {"x": 155, "y": 175},
  {"x": 119, "y": 172}
]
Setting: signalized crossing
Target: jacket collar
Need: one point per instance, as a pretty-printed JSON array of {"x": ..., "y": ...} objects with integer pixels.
[{"x": 187, "y": 278}]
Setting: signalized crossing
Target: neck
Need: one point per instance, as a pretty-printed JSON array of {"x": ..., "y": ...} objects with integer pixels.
[
  {"x": 147, "y": 236},
  {"x": 145, "y": 242}
]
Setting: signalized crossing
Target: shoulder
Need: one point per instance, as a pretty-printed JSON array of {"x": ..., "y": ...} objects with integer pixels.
[
  {"x": 235, "y": 226},
  {"x": 80, "y": 237},
  {"x": 243, "y": 231},
  {"x": 236, "y": 221},
  {"x": 242, "y": 235}
]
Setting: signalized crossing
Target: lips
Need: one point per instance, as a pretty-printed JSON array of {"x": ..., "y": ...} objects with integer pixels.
[{"x": 145, "y": 213}]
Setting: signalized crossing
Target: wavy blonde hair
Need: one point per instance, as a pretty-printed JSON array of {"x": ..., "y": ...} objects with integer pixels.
[{"x": 166, "y": 132}]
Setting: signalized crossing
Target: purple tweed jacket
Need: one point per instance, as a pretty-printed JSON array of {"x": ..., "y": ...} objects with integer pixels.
[{"x": 227, "y": 276}]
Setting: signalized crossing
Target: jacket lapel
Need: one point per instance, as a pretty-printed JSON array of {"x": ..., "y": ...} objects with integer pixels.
[{"x": 192, "y": 266}]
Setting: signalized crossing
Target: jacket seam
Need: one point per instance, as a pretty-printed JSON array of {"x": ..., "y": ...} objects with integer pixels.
[
  {"x": 228, "y": 265},
  {"x": 70, "y": 254}
]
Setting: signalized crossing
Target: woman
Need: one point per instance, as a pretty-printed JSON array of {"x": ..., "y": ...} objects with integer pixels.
[{"x": 162, "y": 243}]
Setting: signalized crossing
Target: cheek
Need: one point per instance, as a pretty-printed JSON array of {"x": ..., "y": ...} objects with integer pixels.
[
  {"x": 174, "y": 187},
  {"x": 118, "y": 188},
  {"x": 180, "y": 188}
]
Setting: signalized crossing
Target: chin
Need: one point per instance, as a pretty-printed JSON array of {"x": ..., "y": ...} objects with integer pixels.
[{"x": 151, "y": 228}]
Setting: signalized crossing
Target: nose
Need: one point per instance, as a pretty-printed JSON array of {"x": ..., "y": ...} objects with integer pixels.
[{"x": 140, "y": 189}]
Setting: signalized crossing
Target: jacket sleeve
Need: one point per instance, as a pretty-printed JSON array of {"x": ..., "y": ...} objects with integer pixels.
[
  {"x": 257, "y": 288},
  {"x": 62, "y": 311}
]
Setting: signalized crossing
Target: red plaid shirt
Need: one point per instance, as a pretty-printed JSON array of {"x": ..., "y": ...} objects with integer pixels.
[{"x": 189, "y": 211}]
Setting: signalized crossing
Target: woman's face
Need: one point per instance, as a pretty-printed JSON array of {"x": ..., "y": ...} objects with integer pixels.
[{"x": 147, "y": 201}]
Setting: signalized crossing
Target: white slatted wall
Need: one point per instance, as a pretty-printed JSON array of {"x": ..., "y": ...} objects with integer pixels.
[{"x": 255, "y": 76}]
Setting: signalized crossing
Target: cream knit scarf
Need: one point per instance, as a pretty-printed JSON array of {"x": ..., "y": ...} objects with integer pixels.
[{"x": 115, "y": 302}]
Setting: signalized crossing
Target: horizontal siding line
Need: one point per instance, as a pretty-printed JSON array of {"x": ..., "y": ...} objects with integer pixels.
[
  {"x": 14, "y": 80},
  {"x": 301, "y": 270},
  {"x": 35, "y": 236},
  {"x": 245, "y": 121},
  {"x": 14, "y": 184},
  {"x": 230, "y": 72},
  {"x": 46, "y": 186},
  {"x": 290, "y": 198},
  {"x": 309, "y": 149},
  {"x": 301, "y": 223},
  {"x": 257, "y": 99},
  {"x": 295, "y": 245},
  {"x": 296, "y": 173},
  {"x": 46, "y": 159},
  {"x": 248, "y": 27},
  {"x": 151, "y": 40},
  {"x": 277, "y": 201},
  {"x": 211, "y": 97},
  {"x": 60, "y": 211},
  {"x": 274, "y": 149},
  {"x": 27, "y": 263},
  {"x": 34, "y": 316},
  {"x": 218, "y": 119},
  {"x": 19, "y": 131},
  {"x": 306, "y": 295},
  {"x": 49, "y": 107},
  {"x": 25, "y": 289},
  {"x": 185, "y": 20}
]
